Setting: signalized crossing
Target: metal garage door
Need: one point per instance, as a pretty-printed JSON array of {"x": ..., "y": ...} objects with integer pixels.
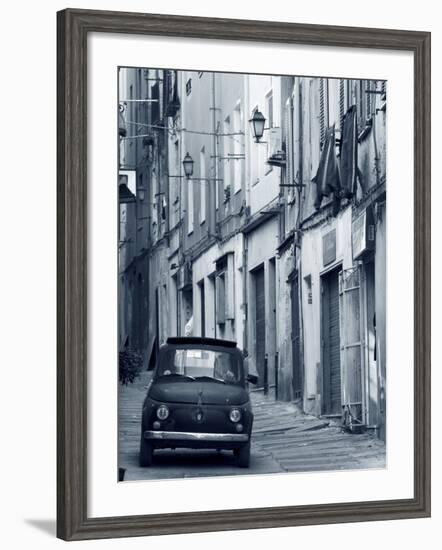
[{"x": 331, "y": 347}]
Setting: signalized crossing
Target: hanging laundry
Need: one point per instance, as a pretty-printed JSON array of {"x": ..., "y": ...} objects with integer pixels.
[
  {"x": 327, "y": 176},
  {"x": 349, "y": 153}
]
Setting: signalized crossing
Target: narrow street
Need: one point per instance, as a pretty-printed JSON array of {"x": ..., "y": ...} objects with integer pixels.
[{"x": 284, "y": 440}]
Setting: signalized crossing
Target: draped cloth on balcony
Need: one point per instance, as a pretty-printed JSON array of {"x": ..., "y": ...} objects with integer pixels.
[
  {"x": 349, "y": 153},
  {"x": 327, "y": 176}
]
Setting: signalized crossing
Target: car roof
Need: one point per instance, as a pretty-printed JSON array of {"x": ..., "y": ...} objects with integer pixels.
[{"x": 196, "y": 340}]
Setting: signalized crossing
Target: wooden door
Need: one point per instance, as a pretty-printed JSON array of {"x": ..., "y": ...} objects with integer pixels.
[
  {"x": 260, "y": 328},
  {"x": 297, "y": 377}
]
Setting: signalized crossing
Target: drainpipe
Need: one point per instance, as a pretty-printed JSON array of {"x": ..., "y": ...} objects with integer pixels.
[
  {"x": 247, "y": 203},
  {"x": 166, "y": 165},
  {"x": 244, "y": 293},
  {"x": 300, "y": 157},
  {"x": 213, "y": 186},
  {"x": 375, "y": 147},
  {"x": 297, "y": 235}
]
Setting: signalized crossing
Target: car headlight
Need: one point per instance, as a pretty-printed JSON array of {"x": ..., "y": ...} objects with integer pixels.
[
  {"x": 162, "y": 412},
  {"x": 235, "y": 415}
]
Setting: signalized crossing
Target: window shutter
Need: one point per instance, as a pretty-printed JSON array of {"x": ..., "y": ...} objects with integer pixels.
[
  {"x": 229, "y": 288},
  {"x": 220, "y": 299},
  {"x": 321, "y": 111},
  {"x": 351, "y": 345},
  {"x": 341, "y": 102},
  {"x": 289, "y": 145},
  {"x": 368, "y": 99},
  {"x": 384, "y": 86}
]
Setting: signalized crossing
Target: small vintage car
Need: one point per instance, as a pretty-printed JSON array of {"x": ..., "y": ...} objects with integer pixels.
[{"x": 198, "y": 399}]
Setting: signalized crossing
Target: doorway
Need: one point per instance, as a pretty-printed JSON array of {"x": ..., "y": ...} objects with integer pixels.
[
  {"x": 297, "y": 377},
  {"x": 202, "y": 308},
  {"x": 331, "y": 348},
  {"x": 260, "y": 324}
]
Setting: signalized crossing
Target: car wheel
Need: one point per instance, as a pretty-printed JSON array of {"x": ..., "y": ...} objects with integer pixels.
[
  {"x": 243, "y": 456},
  {"x": 146, "y": 453}
]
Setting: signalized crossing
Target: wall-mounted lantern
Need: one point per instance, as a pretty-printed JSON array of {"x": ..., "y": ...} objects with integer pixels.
[
  {"x": 258, "y": 122},
  {"x": 188, "y": 163}
]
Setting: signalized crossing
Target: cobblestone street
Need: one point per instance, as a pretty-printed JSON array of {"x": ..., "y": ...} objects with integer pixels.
[{"x": 284, "y": 440}]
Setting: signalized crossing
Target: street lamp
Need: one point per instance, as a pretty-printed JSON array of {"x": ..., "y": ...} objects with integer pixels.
[
  {"x": 258, "y": 121},
  {"x": 188, "y": 166}
]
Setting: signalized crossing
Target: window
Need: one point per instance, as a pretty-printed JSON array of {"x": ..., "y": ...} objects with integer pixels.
[
  {"x": 203, "y": 185},
  {"x": 174, "y": 189},
  {"x": 190, "y": 212},
  {"x": 195, "y": 362},
  {"x": 269, "y": 124},
  {"x": 290, "y": 168},
  {"x": 269, "y": 109},
  {"x": 155, "y": 103},
  {"x": 227, "y": 151},
  {"x": 238, "y": 148},
  {"x": 221, "y": 298},
  {"x": 341, "y": 102},
  {"x": 189, "y": 86},
  {"x": 138, "y": 105},
  {"x": 131, "y": 113},
  {"x": 323, "y": 109},
  {"x": 140, "y": 190}
]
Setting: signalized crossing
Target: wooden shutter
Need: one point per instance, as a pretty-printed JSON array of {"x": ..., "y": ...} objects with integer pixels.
[
  {"x": 351, "y": 344},
  {"x": 323, "y": 109},
  {"x": 341, "y": 103},
  {"x": 229, "y": 288},
  {"x": 220, "y": 299},
  {"x": 368, "y": 99},
  {"x": 321, "y": 112},
  {"x": 289, "y": 146}
]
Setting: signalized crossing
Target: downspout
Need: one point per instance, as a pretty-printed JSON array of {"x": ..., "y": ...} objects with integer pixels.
[
  {"x": 213, "y": 185},
  {"x": 247, "y": 202},
  {"x": 298, "y": 237},
  {"x": 244, "y": 293},
  {"x": 166, "y": 164},
  {"x": 375, "y": 147}
]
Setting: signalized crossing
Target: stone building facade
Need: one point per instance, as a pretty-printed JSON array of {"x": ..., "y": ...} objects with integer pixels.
[{"x": 277, "y": 243}]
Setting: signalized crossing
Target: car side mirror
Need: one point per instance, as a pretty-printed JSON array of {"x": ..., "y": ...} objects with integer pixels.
[{"x": 252, "y": 378}]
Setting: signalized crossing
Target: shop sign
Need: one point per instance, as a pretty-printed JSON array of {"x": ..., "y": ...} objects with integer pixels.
[
  {"x": 329, "y": 247},
  {"x": 362, "y": 233}
]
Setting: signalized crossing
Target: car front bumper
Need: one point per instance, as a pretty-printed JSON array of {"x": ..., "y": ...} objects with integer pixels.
[{"x": 182, "y": 437}]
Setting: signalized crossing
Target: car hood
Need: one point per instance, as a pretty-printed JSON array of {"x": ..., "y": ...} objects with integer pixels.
[{"x": 198, "y": 392}]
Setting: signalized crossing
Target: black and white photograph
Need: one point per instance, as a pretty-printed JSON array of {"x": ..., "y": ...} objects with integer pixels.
[{"x": 251, "y": 273}]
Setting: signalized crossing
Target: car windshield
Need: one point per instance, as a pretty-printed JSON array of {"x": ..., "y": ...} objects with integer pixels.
[{"x": 197, "y": 363}]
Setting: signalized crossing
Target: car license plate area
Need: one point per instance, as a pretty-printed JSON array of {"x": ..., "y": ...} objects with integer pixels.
[{"x": 202, "y": 419}]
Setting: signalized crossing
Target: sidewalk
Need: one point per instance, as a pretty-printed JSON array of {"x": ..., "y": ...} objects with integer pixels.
[{"x": 301, "y": 443}]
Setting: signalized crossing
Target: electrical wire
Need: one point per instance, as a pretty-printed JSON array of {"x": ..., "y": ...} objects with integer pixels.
[{"x": 199, "y": 132}]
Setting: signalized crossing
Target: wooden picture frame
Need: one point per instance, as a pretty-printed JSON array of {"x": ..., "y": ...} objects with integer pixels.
[{"x": 73, "y": 28}]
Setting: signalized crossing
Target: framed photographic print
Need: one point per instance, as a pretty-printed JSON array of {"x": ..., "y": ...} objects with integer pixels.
[{"x": 243, "y": 274}]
